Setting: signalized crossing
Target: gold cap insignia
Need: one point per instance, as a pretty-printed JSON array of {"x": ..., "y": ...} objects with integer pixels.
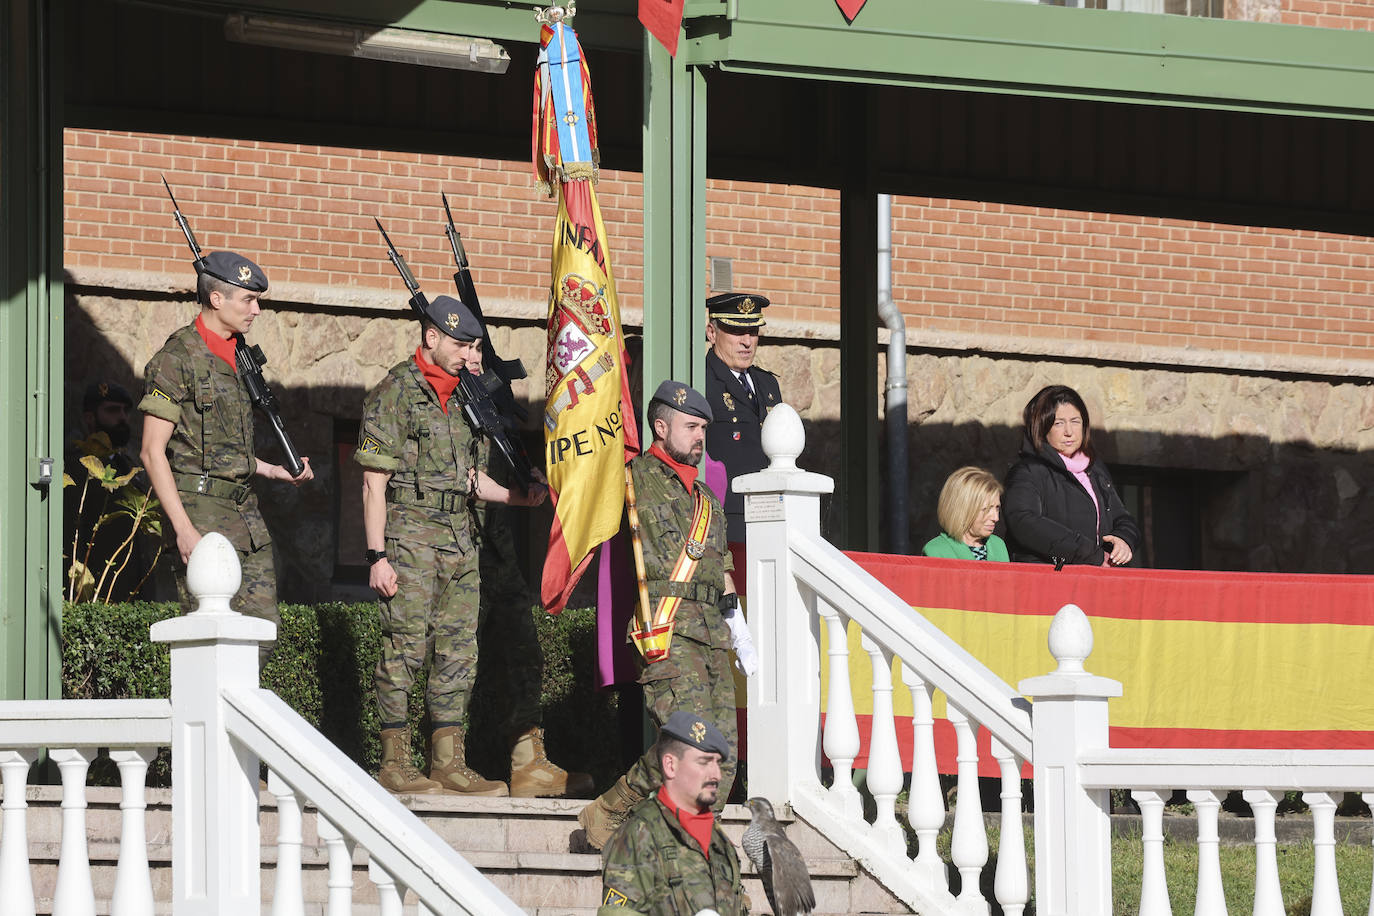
[
  {"x": 747, "y": 307},
  {"x": 104, "y": 390},
  {"x": 680, "y": 397},
  {"x": 245, "y": 273},
  {"x": 698, "y": 732},
  {"x": 452, "y": 320}
]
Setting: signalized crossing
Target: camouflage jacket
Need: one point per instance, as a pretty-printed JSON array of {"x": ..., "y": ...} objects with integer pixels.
[
  {"x": 405, "y": 433},
  {"x": 654, "y": 867},
  {"x": 187, "y": 385},
  {"x": 665, "y": 517}
]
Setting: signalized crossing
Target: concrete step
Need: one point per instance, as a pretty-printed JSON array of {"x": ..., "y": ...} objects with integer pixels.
[{"x": 521, "y": 845}]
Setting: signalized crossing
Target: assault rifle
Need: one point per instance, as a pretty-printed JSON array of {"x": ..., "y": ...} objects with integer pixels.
[
  {"x": 479, "y": 409},
  {"x": 250, "y": 360}
]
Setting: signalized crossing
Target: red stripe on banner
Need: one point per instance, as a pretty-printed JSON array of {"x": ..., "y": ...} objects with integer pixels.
[{"x": 1127, "y": 594}]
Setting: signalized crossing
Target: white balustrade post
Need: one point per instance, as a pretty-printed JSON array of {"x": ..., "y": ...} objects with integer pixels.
[
  {"x": 926, "y": 805},
  {"x": 1073, "y": 865},
  {"x": 1154, "y": 889},
  {"x": 288, "y": 897},
  {"x": 1326, "y": 893},
  {"x": 968, "y": 846},
  {"x": 884, "y": 759},
  {"x": 133, "y": 890},
  {"x": 216, "y": 856},
  {"x": 841, "y": 737},
  {"x": 784, "y": 696},
  {"x": 340, "y": 867},
  {"x": 16, "y": 882},
  {"x": 1268, "y": 892},
  {"x": 1210, "y": 899},
  {"x": 1010, "y": 884},
  {"x": 75, "y": 894},
  {"x": 390, "y": 896}
]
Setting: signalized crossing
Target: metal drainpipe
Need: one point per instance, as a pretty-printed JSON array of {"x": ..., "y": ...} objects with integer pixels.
[{"x": 898, "y": 523}]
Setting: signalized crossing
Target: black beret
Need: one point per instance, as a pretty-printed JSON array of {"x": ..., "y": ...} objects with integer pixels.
[
  {"x": 690, "y": 728},
  {"x": 98, "y": 393},
  {"x": 685, "y": 398},
  {"x": 737, "y": 310},
  {"x": 454, "y": 318},
  {"x": 235, "y": 269}
]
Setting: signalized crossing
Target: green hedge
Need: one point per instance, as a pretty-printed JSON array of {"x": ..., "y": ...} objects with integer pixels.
[{"x": 323, "y": 668}]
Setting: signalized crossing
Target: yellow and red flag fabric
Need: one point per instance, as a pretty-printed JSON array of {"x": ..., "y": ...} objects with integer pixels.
[
  {"x": 1206, "y": 659},
  {"x": 589, "y": 424}
]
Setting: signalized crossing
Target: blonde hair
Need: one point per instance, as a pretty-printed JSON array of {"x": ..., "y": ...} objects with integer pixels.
[{"x": 962, "y": 498}]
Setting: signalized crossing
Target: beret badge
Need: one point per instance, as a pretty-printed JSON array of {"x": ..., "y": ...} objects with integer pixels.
[
  {"x": 680, "y": 397},
  {"x": 698, "y": 732},
  {"x": 245, "y": 273},
  {"x": 452, "y": 320}
]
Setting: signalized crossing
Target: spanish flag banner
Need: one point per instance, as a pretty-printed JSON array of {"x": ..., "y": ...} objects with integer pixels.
[
  {"x": 1206, "y": 659},
  {"x": 589, "y": 425}
]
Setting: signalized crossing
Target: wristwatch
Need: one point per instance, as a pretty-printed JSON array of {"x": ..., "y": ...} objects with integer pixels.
[{"x": 374, "y": 555}]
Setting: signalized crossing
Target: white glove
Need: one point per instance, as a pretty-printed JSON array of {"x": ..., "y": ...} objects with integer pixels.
[{"x": 746, "y": 659}]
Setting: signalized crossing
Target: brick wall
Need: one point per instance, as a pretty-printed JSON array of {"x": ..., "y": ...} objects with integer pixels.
[
  {"x": 1328, "y": 14},
  {"x": 962, "y": 269}
]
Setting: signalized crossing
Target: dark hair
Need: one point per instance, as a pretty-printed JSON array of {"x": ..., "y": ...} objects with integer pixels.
[
  {"x": 667, "y": 744},
  {"x": 1040, "y": 410},
  {"x": 658, "y": 410},
  {"x": 206, "y": 284}
]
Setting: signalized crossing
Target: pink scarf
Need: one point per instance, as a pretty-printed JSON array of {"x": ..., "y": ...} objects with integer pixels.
[{"x": 1078, "y": 467}]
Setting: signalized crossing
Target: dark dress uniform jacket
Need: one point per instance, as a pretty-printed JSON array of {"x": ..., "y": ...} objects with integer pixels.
[
  {"x": 653, "y": 866},
  {"x": 1049, "y": 514},
  {"x": 735, "y": 436}
]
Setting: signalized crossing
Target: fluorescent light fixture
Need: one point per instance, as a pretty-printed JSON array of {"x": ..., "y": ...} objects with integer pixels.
[{"x": 407, "y": 46}]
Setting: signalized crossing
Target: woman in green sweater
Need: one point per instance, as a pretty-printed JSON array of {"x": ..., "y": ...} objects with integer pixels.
[{"x": 970, "y": 505}]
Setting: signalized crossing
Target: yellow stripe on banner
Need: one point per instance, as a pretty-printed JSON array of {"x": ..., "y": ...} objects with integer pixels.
[{"x": 1175, "y": 673}]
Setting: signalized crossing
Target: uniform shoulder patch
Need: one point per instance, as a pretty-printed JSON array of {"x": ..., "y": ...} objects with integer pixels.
[
  {"x": 370, "y": 446},
  {"x": 161, "y": 395},
  {"x": 614, "y": 898}
]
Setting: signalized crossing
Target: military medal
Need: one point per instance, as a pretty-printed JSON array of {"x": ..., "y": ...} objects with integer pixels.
[{"x": 695, "y": 549}]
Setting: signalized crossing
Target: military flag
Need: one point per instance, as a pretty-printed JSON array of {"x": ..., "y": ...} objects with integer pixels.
[{"x": 589, "y": 424}]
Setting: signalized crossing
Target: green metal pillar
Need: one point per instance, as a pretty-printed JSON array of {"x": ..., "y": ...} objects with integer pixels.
[
  {"x": 31, "y": 334},
  {"x": 856, "y": 490},
  {"x": 674, "y": 220}
]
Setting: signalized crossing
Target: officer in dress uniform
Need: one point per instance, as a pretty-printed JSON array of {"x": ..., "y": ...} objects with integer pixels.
[{"x": 740, "y": 394}]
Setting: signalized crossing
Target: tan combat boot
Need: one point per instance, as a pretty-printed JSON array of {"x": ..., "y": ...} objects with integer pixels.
[
  {"x": 398, "y": 774},
  {"x": 533, "y": 775},
  {"x": 604, "y": 816},
  {"x": 448, "y": 766}
]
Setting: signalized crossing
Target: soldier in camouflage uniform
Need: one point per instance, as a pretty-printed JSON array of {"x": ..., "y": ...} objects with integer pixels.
[
  {"x": 696, "y": 674},
  {"x": 671, "y": 858},
  {"x": 198, "y": 434},
  {"x": 509, "y": 641},
  {"x": 422, "y": 467}
]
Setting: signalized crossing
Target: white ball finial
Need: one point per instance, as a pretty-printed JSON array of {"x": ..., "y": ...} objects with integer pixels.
[
  {"x": 1071, "y": 639},
  {"x": 214, "y": 575},
  {"x": 783, "y": 438}
]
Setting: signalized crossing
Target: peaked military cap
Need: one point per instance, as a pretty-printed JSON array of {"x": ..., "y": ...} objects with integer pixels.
[
  {"x": 690, "y": 728},
  {"x": 683, "y": 397},
  {"x": 235, "y": 269},
  {"x": 98, "y": 393},
  {"x": 454, "y": 318},
  {"x": 737, "y": 310}
]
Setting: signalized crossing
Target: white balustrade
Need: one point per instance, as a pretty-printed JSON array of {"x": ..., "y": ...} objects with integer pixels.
[
  {"x": 16, "y": 883},
  {"x": 841, "y": 738},
  {"x": 968, "y": 846},
  {"x": 1264, "y": 805},
  {"x": 1326, "y": 893},
  {"x": 885, "y": 775},
  {"x": 926, "y": 803},
  {"x": 1210, "y": 899},
  {"x": 288, "y": 897},
  {"x": 1154, "y": 890},
  {"x": 340, "y": 852},
  {"x": 75, "y": 894},
  {"x": 133, "y": 889},
  {"x": 389, "y": 895},
  {"x": 1010, "y": 884}
]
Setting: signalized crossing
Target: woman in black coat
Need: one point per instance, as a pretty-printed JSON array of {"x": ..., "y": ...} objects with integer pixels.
[{"x": 1060, "y": 505}]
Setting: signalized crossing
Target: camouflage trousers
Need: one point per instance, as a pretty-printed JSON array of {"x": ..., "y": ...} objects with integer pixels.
[
  {"x": 700, "y": 679},
  {"x": 432, "y": 618},
  {"x": 509, "y": 642},
  {"x": 245, "y": 529}
]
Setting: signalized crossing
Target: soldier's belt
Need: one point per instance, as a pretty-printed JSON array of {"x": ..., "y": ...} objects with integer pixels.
[
  {"x": 443, "y": 500},
  {"x": 687, "y": 591},
  {"x": 212, "y": 486}
]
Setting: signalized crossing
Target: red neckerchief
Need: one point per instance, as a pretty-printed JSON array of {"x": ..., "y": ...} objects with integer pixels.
[
  {"x": 685, "y": 472},
  {"x": 698, "y": 826},
  {"x": 220, "y": 346},
  {"x": 442, "y": 383}
]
